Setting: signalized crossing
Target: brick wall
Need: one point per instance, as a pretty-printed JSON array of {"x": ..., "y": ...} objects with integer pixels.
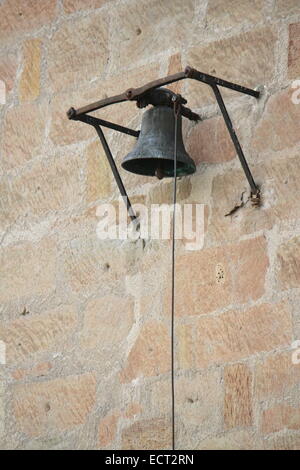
[{"x": 85, "y": 321}]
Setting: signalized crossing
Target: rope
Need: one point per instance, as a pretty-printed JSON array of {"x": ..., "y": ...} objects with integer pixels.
[{"x": 176, "y": 111}]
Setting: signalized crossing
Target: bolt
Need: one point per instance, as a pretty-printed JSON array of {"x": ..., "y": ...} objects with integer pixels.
[
  {"x": 71, "y": 113},
  {"x": 187, "y": 71}
]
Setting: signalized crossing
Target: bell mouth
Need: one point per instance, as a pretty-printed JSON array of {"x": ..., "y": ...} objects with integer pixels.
[{"x": 153, "y": 166}]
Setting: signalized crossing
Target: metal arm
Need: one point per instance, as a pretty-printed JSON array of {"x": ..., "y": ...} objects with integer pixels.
[
  {"x": 235, "y": 141},
  {"x": 116, "y": 173},
  {"x": 101, "y": 122},
  {"x": 211, "y": 80}
]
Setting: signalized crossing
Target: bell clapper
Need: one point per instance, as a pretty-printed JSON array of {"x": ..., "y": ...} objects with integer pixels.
[{"x": 159, "y": 172}]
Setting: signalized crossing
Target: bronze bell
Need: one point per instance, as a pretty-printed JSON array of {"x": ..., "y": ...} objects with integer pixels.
[{"x": 153, "y": 154}]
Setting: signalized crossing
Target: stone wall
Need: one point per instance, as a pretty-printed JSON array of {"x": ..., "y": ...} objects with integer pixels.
[{"x": 86, "y": 322}]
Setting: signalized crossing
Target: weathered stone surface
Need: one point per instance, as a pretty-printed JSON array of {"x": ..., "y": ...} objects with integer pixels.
[
  {"x": 55, "y": 405},
  {"x": 225, "y": 15},
  {"x": 91, "y": 264},
  {"x": 289, "y": 263},
  {"x": 278, "y": 180},
  {"x": 184, "y": 350},
  {"x": 79, "y": 224},
  {"x": 27, "y": 269},
  {"x": 210, "y": 142},
  {"x": 151, "y": 293},
  {"x": 98, "y": 173},
  {"x": 162, "y": 193},
  {"x": 118, "y": 82},
  {"x": 23, "y": 134},
  {"x": 279, "y": 417},
  {"x": 175, "y": 66},
  {"x": 276, "y": 376},
  {"x": 48, "y": 185},
  {"x": 29, "y": 87},
  {"x": 70, "y": 63},
  {"x": 132, "y": 410},
  {"x": 156, "y": 401},
  {"x": 284, "y": 8},
  {"x": 106, "y": 318},
  {"x": 18, "y": 16},
  {"x": 63, "y": 441},
  {"x": 2, "y": 408},
  {"x": 197, "y": 288},
  {"x": 62, "y": 130},
  {"x": 247, "y": 58},
  {"x": 120, "y": 113},
  {"x": 238, "y": 396},
  {"x": 107, "y": 429},
  {"x": 278, "y": 128},
  {"x": 229, "y": 191},
  {"x": 235, "y": 440},
  {"x": 32, "y": 335},
  {"x": 199, "y": 404},
  {"x": 235, "y": 335},
  {"x": 200, "y": 289},
  {"x": 150, "y": 354},
  {"x": 149, "y": 27},
  {"x": 147, "y": 435},
  {"x": 246, "y": 264},
  {"x": 294, "y": 51},
  {"x": 70, "y": 6},
  {"x": 286, "y": 441},
  {"x": 40, "y": 370},
  {"x": 8, "y": 69}
]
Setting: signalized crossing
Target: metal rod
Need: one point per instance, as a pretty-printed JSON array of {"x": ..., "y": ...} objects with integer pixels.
[
  {"x": 176, "y": 111},
  {"x": 134, "y": 93},
  {"x": 101, "y": 104},
  {"x": 115, "y": 172},
  {"x": 234, "y": 138},
  {"x": 130, "y": 94},
  {"x": 101, "y": 122},
  {"x": 213, "y": 81}
]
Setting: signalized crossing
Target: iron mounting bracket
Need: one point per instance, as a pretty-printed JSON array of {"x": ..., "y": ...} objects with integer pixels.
[{"x": 143, "y": 96}]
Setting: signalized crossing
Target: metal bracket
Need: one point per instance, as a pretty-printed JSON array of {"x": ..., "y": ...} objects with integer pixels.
[
  {"x": 101, "y": 122},
  {"x": 116, "y": 173},
  {"x": 254, "y": 188},
  {"x": 132, "y": 94},
  {"x": 96, "y": 123},
  {"x": 144, "y": 96}
]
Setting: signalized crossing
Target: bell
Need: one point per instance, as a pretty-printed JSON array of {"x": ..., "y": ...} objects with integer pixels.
[{"x": 153, "y": 154}]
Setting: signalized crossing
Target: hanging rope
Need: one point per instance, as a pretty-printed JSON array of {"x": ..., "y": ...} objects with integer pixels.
[{"x": 176, "y": 111}]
